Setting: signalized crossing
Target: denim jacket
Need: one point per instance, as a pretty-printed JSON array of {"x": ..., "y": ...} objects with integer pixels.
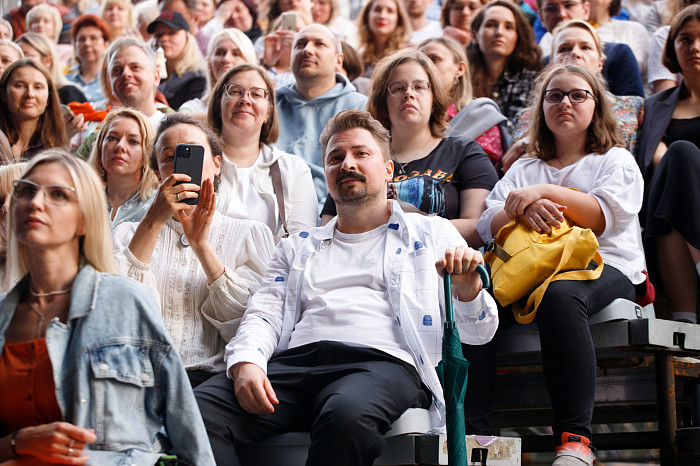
[
  {"x": 116, "y": 371},
  {"x": 413, "y": 245}
]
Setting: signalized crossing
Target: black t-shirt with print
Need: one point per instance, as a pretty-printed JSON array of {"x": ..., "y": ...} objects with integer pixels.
[{"x": 433, "y": 183}]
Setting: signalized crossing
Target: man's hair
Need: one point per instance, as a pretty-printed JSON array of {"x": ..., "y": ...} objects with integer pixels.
[
  {"x": 90, "y": 20},
  {"x": 602, "y": 132},
  {"x": 128, "y": 41},
  {"x": 669, "y": 58},
  {"x": 351, "y": 119}
]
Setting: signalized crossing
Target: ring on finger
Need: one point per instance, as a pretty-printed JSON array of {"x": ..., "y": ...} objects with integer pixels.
[
  {"x": 70, "y": 452},
  {"x": 178, "y": 197}
]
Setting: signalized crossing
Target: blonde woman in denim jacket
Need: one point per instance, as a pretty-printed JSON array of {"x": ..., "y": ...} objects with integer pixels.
[{"x": 88, "y": 374}]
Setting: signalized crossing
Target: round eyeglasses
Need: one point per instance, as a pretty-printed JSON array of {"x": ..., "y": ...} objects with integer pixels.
[
  {"x": 399, "y": 88},
  {"x": 236, "y": 92},
  {"x": 576, "y": 96},
  {"x": 56, "y": 194}
]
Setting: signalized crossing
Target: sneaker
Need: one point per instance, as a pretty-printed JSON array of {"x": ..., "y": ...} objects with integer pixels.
[{"x": 573, "y": 451}]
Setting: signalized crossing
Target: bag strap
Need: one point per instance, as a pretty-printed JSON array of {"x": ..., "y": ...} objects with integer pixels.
[
  {"x": 276, "y": 176},
  {"x": 527, "y": 314}
]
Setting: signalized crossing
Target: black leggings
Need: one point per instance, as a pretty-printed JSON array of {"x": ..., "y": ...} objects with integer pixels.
[{"x": 568, "y": 355}]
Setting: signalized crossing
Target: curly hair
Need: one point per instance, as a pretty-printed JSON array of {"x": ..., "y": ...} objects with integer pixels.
[
  {"x": 602, "y": 132},
  {"x": 398, "y": 39},
  {"x": 526, "y": 55},
  {"x": 378, "y": 93}
]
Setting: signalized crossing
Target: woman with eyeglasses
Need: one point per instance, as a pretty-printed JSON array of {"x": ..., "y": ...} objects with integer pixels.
[
  {"x": 446, "y": 176},
  {"x": 203, "y": 266},
  {"x": 87, "y": 370},
  {"x": 244, "y": 114},
  {"x": 578, "y": 171}
]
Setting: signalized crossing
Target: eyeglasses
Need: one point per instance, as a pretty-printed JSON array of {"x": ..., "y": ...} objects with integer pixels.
[
  {"x": 554, "y": 8},
  {"x": 399, "y": 88},
  {"x": 56, "y": 194},
  {"x": 576, "y": 96},
  {"x": 236, "y": 92}
]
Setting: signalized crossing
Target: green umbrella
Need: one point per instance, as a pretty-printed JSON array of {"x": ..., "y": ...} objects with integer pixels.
[{"x": 453, "y": 371}]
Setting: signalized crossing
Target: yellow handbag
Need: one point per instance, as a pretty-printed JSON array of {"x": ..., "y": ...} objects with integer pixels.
[{"x": 524, "y": 262}]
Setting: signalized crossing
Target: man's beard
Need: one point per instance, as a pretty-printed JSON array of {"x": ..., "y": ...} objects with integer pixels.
[{"x": 353, "y": 195}]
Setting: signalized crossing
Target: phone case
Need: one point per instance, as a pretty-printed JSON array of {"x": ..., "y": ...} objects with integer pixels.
[{"x": 189, "y": 159}]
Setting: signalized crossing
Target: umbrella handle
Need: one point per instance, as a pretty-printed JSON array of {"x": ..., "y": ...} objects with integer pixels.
[{"x": 485, "y": 280}]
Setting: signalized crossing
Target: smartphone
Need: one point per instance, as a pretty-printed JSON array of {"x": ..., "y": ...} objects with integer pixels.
[
  {"x": 189, "y": 159},
  {"x": 289, "y": 21},
  {"x": 67, "y": 112}
]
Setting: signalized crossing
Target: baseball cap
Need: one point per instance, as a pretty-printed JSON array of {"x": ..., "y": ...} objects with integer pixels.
[{"x": 171, "y": 19}]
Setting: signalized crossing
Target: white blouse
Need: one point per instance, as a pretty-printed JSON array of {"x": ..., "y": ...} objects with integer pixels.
[
  {"x": 200, "y": 318},
  {"x": 612, "y": 178}
]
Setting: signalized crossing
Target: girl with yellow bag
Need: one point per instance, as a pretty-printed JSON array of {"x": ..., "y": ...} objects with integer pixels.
[{"x": 576, "y": 169}]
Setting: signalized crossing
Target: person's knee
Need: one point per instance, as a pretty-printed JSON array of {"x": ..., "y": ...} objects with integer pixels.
[{"x": 682, "y": 155}]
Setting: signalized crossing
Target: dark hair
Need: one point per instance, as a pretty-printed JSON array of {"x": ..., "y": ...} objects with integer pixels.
[
  {"x": 445, "y": 12},
  {"x": 174, "y": 119},
  {"x": 614, "y": 7},
  {"x": 352, "y": 62},
  {"x": 90, "y": 20},
  {"x": 270, "y": 129},
  {"x": 669, "y": 58},
  {"x": 351, "y": 119},
  {"x": 376, "y": 102},
  {"x": 526, "y": 55},
  {"x": 51, "y": 130},
  {"x": 602, "y": 132}
]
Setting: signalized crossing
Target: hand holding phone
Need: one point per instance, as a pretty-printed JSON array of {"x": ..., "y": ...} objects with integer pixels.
[
  {"x": 189, "y": 159},
  {"x": 289, "y": 21}
]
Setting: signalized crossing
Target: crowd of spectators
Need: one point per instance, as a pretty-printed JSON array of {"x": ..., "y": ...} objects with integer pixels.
[{"x": 485, "y": 112}]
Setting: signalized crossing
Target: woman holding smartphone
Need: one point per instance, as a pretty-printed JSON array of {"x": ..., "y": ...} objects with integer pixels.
[{"x": 202, "y": 265}]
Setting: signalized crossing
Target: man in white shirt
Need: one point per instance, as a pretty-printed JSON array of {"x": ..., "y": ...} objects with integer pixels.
[
  {"x": 423, "y": 28},
  {"x": 345, "y": 331}
]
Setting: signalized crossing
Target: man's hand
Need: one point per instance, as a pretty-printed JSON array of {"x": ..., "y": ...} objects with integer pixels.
[
  {"x": 461, "y": 261},
  {"x": 253, "y": 389}
]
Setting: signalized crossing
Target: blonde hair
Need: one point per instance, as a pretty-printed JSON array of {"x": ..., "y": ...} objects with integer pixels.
[
  {"x": 45, "y": 10},
  {"x": 46, "y": 48},
  {"x": 96, "y": 245},
  {"x": 190, "y": 59},
  {"x": 240, "y": 40},
  {"x": 13, "y": 45},
  {"x": 462, "y": 89},
  {"x": 581, "y": 24},
  {"x": 148, "y": 181},
  {"x": 129, "y": 7}
]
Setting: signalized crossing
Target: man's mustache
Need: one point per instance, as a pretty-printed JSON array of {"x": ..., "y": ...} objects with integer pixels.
[{"x": 353, "y": 175}]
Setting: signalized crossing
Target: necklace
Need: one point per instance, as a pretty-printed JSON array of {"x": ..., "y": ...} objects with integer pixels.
[
  {"x": 49, "y": 293},
  {"x": 40, "y": 324},
  {"x": 402, "y": 167}
]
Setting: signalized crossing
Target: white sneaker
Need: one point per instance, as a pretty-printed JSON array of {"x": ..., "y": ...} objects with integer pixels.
[{"x": 574, "y": 451}]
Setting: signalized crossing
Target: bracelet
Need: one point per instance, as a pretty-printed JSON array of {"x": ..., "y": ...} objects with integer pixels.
[{"x": 13, "y": 443}]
